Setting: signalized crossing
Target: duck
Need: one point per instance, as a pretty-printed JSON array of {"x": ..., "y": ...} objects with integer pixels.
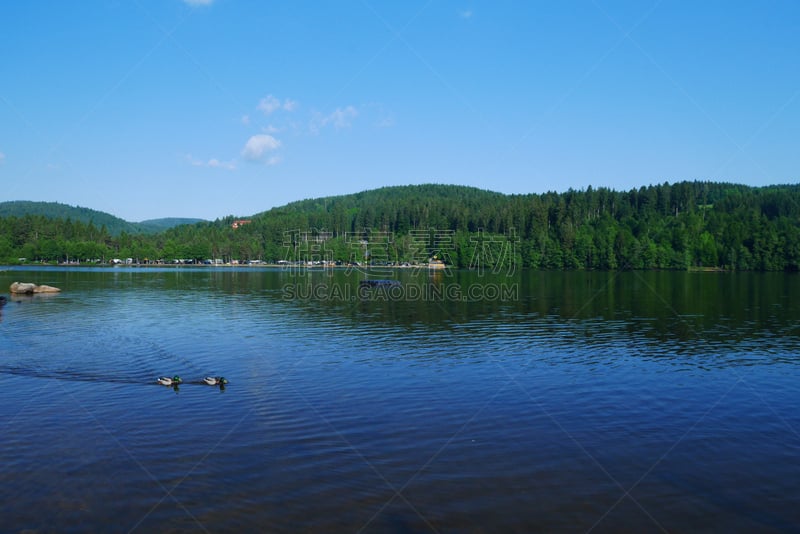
[
  {"x": 215, "y": 380},
  {"x": 167, "y": 381}
]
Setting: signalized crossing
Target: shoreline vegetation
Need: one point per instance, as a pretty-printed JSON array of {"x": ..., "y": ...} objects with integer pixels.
[
  {"x": 297, "y": 265},
  {"x": 203, "y": 265},
  {"x": 695, "y": 226}
]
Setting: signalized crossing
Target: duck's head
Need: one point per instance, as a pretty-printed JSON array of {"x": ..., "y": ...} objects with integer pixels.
[
  {"x": 176, "y": 379},
  {"x": 222, "y": 380}
]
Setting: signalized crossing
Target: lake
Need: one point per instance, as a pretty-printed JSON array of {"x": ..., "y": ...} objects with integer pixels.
[{"x": 455, "y": 402}]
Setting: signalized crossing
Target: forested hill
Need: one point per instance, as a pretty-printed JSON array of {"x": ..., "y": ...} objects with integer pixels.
[
  {"x": 396, "y": 209},
  {"x": 669, "y": 226},
  {"x": 674, "y": 226},
  {"x": 114, "y": 225}
]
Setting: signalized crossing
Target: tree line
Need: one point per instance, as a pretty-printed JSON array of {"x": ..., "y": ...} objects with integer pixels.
[{"x": 669, "y": 226}]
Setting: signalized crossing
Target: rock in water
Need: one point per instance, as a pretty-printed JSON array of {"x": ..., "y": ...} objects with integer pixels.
[
  {"x": 27, "y": 288},
  {"x": 45, "y": 289},
  {"x": 21, "y": 287}
]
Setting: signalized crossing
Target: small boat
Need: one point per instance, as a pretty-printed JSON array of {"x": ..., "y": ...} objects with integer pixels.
[
  {"x": 167, "y": 381},
  {"x": 379, "y": 283}
]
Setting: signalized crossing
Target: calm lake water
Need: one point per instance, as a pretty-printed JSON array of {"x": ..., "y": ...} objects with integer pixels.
[{"x": 571, "y": 402}]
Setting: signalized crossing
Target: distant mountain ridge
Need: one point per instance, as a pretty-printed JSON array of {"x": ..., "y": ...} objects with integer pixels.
[{"x": 114, "y": 225}]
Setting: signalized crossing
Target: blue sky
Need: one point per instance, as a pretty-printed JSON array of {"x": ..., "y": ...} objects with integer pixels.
[{"x": 160, "y": 108}]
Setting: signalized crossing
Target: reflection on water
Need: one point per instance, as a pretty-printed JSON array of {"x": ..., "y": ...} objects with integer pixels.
[{"x": 544, "y": 401}]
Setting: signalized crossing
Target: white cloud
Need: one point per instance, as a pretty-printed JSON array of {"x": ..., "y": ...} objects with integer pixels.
[
  {"x": 339, "y": 118},
  {"x": 217, "y": 164},
  {"x": 2, "y": 157},
  {"x": 259, "y": 146},
  {"x": 269, "y": 104},
  {"x": 213, "y": 163},
  {"x": 466, "y": 14},
  {"x": 195, "y": 3},
  {"x": 289, "y": 104},
  {"x": 245, "y": 119},
  {"x": 342, "y": 118}
]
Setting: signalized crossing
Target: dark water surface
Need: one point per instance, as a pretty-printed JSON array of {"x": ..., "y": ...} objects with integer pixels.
[{"x": 574, "y": 402}]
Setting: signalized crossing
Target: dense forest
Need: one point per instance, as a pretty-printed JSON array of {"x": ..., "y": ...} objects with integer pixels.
[
  {"x": 669, "y": 226},
  {"x": 114, "y": 225}
]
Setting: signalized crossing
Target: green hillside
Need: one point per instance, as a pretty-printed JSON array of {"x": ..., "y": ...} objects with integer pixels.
[
  {"x": 56, "y": 210},
  {"x": 396, "y": 208},
  {"x": 670, "y": 226},
  {"x": 114, "y": 225}
]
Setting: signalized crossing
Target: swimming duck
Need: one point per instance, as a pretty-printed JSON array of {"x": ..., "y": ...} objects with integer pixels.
[
  {"x": 167, "y": 381},
  {"x": 215, "y": 380}
]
